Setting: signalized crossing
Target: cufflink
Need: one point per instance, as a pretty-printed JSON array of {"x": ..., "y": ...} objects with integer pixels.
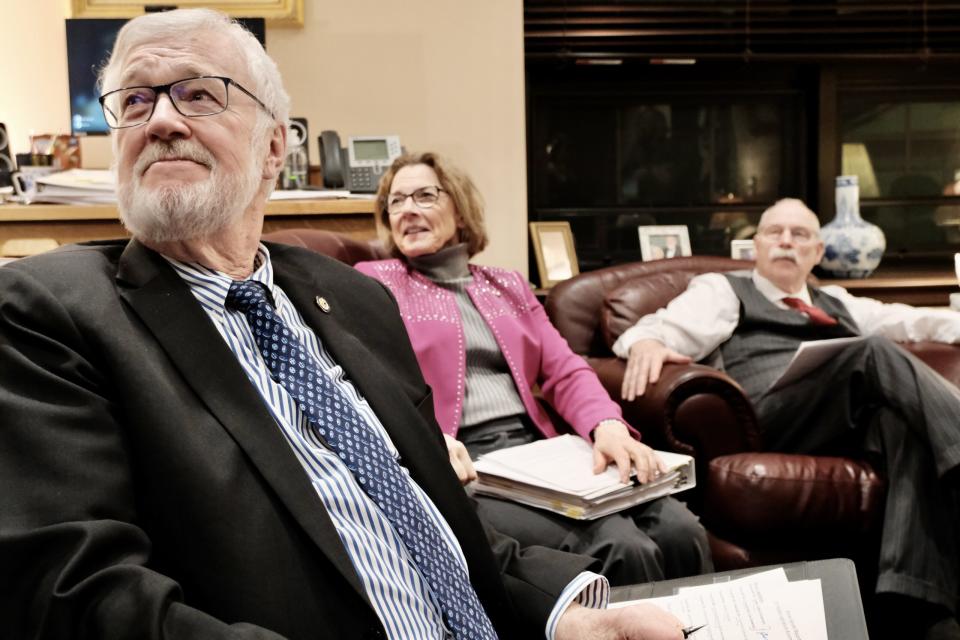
[{"x": 323, "y": 304}]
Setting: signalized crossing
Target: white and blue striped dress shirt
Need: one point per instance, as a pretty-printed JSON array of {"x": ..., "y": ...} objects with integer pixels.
[{"x": 397, "y": 591}]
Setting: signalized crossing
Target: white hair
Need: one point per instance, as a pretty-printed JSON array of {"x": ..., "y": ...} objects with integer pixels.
[
  {"x": 791, "y": 203},
  {"x": 174, "y": 25}
]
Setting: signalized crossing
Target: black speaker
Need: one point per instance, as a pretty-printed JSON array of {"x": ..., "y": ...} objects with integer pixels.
[
  {"x": 6, "y": 158},
  {"x": 296, "y": 169}
]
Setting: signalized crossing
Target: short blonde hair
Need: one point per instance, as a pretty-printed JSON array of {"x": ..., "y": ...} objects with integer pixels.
[{"x": 467, "y": 201}]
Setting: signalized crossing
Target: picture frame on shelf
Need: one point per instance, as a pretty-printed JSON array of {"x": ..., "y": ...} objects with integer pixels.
[
  {"x": 742, "y": 250},
  {"x": 278, "y": 13},
  {"x": 554, "y": 250},
  {"x": 658, "y": 242}
]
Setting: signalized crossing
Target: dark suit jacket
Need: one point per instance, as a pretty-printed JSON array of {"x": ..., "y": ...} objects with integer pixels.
[{"x": 145, "y": 490}]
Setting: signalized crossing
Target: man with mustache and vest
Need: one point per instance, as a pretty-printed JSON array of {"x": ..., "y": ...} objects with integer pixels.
[{"x": 872, "y": 392}]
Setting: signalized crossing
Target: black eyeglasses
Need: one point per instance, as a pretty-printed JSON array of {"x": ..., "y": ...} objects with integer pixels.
[
  {"x": 424, "y": 197},
  {"x": 191, "y": 97},
  {"x": 800, "y": 235}
]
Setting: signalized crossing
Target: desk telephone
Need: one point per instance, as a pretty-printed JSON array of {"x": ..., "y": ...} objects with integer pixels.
[{"x": 357, "y": 167}]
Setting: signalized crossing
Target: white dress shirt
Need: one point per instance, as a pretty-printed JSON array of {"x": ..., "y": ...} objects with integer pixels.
[{"x": 705, "y": 315}]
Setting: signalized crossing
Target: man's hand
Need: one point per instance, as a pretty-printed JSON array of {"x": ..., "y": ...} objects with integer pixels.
[
  {"x": 460, "y": 460},
  {"x": 636, "y": 622},
  {"x": 644, "y": 365},
  {"x": 612, "y": 442}
]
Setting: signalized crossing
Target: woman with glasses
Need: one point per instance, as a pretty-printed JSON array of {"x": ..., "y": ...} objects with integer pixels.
[{"x": 483, "y": 343}]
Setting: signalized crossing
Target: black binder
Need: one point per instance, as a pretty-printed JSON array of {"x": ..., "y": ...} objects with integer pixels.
[{"x": 842, "y": 606}]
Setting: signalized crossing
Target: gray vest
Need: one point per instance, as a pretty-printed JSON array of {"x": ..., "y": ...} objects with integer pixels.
[{"x": 767, "y": 337}]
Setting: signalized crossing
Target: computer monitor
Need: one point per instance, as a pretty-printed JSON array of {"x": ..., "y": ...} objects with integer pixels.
[{"x": 89, "y": 42}]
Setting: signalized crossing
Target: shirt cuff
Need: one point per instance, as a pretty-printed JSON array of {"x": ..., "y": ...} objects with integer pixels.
[
  {"x": 588, "y": 589},
  {"x": 621, "y": 348}
]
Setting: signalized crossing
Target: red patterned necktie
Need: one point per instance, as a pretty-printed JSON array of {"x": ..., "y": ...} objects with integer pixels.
[{"x": 817, "y": 316}]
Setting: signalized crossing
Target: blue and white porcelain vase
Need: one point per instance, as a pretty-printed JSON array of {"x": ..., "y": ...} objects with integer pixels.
[{"x": 853, "y": 247}]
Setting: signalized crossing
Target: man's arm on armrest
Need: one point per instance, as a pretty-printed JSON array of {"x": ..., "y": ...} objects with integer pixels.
[{"x": 694, "y": 323}]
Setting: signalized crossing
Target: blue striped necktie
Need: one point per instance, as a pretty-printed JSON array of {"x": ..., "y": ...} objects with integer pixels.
[{"x": 365, "y": 454}]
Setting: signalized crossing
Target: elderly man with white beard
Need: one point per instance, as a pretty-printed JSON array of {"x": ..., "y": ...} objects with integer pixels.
[
  {"x": 871, "y": 397},
  {"x": 207, "y": 436}
]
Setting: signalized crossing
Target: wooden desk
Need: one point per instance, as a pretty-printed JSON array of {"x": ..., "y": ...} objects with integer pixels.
[
  {"x": 917, "y": 288},
  {"x": 67, "y": 224}
]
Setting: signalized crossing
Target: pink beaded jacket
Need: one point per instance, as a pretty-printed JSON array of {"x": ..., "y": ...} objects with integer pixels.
[{"x": 534, "y": 351}]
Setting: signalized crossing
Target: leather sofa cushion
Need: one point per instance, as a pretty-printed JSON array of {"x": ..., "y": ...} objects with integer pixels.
[
  {"x": 635, "y": 298},
  {"x": 755, "y": 497},
  {"x": 336, "y": 245},
  {"x": 942, "y": 358}
]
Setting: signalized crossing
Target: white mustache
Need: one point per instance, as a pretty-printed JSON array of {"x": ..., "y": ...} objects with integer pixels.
[
  {"x": 776, "y": 253},
  {"x": 175, "y": 150}
]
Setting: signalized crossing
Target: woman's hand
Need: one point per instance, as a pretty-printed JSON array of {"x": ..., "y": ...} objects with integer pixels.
[
  {"x": 460, "y": 460},
  {"x": 612, "y": 443}
]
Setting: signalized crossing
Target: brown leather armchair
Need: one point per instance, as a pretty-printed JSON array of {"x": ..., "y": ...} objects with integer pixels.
[
  {"x": 336, "y": 245},
  {"x": 759, "y": 507}
]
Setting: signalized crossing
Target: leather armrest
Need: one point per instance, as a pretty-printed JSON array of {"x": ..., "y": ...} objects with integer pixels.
[
  {"x": 942, "y": 358},
  {"x": 753, "y": 498},
  {"x": 692, "y": 409}
]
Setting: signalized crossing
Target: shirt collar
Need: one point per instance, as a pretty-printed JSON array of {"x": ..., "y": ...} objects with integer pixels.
[
  {"x": 774, "y": 293},
  {"x": 210, "y": 286}
]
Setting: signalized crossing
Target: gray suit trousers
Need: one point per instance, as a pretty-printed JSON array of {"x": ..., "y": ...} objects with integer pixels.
[{"x": 877, "y": 398}]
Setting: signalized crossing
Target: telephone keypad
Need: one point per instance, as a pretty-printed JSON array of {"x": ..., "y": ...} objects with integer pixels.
[{"x": 364, "y": 179}]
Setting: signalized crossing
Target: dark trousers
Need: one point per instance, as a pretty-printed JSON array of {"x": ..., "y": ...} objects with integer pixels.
[
  {"x": 653, "y": 541},
  {"x": 875, "y": 398}
]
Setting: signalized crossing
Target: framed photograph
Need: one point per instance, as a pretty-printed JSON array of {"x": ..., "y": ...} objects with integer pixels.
[
  {"x": 742, "y": 250},
  {"x": 286, "y": 13},
  {"x": 553, "y": 246},
  {"x": 664, "y": 241}
]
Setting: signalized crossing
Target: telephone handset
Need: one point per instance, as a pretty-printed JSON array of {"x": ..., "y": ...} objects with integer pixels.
[
  {"x": 359, "y": 166},
  {"x": 331, "y": 160}
]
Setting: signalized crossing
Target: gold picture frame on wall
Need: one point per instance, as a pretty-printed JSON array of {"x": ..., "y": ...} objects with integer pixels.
[
  {"x": 553, "y": 246},
  {"x": 278, "y": 13}
]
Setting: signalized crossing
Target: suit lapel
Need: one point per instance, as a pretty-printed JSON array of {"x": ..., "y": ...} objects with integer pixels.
[{"x": 167, "y": 307}]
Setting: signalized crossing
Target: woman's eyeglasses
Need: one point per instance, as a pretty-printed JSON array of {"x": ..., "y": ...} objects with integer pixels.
[{"x": 424, "y": 198}]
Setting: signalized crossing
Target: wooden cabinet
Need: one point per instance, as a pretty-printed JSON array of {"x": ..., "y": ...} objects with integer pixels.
[
  {"x": 67, "y": 224},
  {"x": 917, "y": 288}
]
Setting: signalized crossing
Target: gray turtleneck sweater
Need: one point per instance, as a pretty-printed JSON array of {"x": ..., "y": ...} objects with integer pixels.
[{"x": 490, "y": 392}]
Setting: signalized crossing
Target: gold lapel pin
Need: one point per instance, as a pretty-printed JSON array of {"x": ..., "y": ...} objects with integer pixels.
[{"x": 323, "y": 304}]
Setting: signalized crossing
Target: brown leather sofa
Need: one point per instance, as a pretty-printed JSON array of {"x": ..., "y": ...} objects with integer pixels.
[
  {"x": 759, "y": 507},
  {"x": 336, "y": 245}
]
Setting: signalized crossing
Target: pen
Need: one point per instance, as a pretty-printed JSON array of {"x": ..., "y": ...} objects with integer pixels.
[{"x": 689, "y": 631}]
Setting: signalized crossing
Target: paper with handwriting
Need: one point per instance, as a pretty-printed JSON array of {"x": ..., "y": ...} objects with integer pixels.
[{"x": 762, "y": 606}]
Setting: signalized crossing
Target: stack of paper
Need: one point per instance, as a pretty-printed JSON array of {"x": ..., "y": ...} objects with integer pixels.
[
  {"x": 809, "y": 356},
  {"x": 98, "y": 186},
  {"x": 77, "y": 186},
  {"x": 557, "y": 474},
  {"x": 761, "y": 606},
  {"x": 318, "y": 194}
]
